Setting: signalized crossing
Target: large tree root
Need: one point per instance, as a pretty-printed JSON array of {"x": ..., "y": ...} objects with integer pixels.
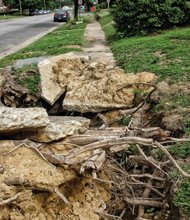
[{"x": 142, "y": 187}]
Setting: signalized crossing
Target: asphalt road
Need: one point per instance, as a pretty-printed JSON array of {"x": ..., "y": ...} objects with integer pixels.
[{"x": 18, "y": 33}]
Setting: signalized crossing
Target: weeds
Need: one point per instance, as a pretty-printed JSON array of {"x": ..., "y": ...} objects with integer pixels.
[{"x": 28, "y": 76}]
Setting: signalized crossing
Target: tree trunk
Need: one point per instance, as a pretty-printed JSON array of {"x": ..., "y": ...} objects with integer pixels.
[
  {"x": 76, "y": 10},
  {"x": 20, "y": 5}
]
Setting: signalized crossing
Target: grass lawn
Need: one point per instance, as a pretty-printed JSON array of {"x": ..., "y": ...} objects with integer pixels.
[
  {"x": 165, "y": 54},
  {"x": 5, "y": 17},
  {"x": 66, "y": 38}
]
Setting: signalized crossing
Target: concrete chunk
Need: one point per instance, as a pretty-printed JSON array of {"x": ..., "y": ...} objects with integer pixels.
[
  {"x": 22, "y": 119},
  {"x": 59, "y": 128},
  {"x": 50, "y": 86}
]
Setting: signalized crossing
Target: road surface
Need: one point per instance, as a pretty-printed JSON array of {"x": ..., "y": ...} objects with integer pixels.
[{"x": 18, "y": 33}]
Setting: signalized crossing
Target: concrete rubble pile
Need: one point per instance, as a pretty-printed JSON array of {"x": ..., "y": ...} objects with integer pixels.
[
  {"x": 89, "y": 86},
  {"x": 42, "y": 161},
  {"x": 35, "y": 187}
]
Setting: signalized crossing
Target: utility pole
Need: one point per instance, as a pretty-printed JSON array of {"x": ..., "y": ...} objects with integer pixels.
[{"x": 108, "y": 2}]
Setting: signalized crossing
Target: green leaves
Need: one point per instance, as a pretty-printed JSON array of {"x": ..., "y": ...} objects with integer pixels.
[{"x": 142, "y": 17}]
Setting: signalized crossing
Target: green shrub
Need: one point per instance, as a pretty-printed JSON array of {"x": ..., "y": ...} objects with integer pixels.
[
  {"x": 103, "y": 5},
  {"x": 98, "y": 8},
  {"x": 141, "y": 17}
]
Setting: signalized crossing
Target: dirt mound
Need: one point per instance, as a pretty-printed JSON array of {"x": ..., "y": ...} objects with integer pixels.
[{"x": 172, "y": 102}]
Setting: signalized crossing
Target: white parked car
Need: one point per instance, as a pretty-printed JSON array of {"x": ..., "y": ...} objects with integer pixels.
[{"x": 82, "y": 8}]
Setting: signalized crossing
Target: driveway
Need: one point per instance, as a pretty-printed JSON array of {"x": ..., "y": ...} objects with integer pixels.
[{"x": 18, "y": 33}]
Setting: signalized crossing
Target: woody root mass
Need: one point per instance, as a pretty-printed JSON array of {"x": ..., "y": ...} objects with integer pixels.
[{"x": 111, "y": 162}]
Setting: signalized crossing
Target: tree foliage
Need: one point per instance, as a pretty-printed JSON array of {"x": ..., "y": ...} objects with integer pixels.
[
  {"x": 26, "y": 4},
  {"x": 140, "y": 17},
  {"x": 30, "y": 4}
]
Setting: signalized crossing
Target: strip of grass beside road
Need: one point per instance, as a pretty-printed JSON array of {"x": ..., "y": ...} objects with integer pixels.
[
  {"x": 65, "y": 39},
  {"x": 5, "y": 17},
  {"x": 165, "y": 54}
]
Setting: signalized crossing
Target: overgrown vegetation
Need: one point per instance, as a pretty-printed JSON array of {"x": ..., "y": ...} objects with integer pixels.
[
  {"x": 165, "y": 54},
  {"x": 147, "y": 16},
  {"x": 65, "y": 39}
]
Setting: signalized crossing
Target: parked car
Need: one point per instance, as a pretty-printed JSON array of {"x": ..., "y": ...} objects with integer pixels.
[
  {"x": 40, "y": 12},
  {"x": 82, "y": 8},
  {"x": 61, "y": 15}
]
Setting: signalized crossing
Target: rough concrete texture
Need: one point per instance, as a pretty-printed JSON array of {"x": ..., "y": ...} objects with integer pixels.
[
  {"x": 19, "y": 119},
  {"x": 25, "y": 166},
  {"x": 91, "y": 86},
  {"x": 96, "y": 88},
  {"x": 51, "y": 90},
  {"x": 59, "y": 128}
]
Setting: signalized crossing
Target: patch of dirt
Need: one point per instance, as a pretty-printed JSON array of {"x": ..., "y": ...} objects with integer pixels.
[
  {"x": 15, "y": 92},
  {"x": 73, "y": 46},
  {"x": 159, "y": 53},
  {"x": 172, "y": 102}
]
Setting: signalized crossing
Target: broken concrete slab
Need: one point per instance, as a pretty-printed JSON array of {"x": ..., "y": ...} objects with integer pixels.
[
  {"x": 13, "y": 120},
  {"x": 60, "y": 127},
  {"x": 89, "y": 86},
  {"x": 99, "y": 88},
  {"x": 51, "y": 89}
]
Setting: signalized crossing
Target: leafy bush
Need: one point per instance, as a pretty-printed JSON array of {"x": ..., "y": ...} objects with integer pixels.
[
  {"x": 141, "y": 17},
  {"x": 103, "y": 5},
  {"x": 98, "y": 8}
]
